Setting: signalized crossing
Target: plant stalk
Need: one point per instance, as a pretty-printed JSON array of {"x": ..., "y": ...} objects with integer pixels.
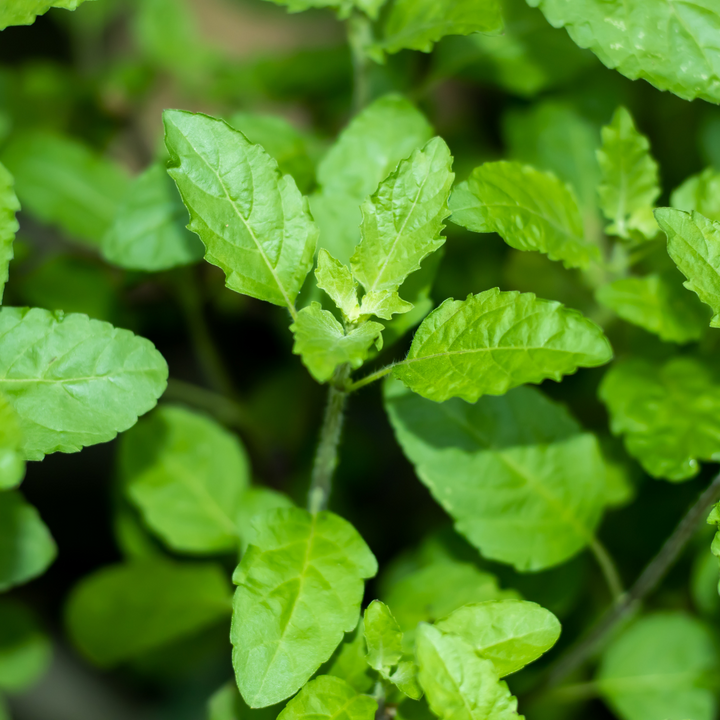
[
  {"x": 649, "y": 579},
  {"x": 359, "y": 32},
  {"x": 609, "y": 569},
  {"x": 326, "y": 457}
]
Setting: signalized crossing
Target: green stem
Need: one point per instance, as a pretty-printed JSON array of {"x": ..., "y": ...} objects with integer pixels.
[
  {"x": 326, "y": 457},
  {"x": 352, "y": 387},
  {"x": 359, "y": 32},
  {"x": 609, "y": 569}
]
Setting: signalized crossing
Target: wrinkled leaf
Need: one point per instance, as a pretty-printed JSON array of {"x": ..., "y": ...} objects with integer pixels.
[
  {"x": 529, "y": 209},
  {"x": 668, "y": 415},
  {"x": 329, "y": 698},
  {"x": 494, "y": 341},
  {"x": 337, "y": 281},
  {"x": 255, "y": 224},
  {"x": 187, "y": 476},
  {"x": 73, "y": 381},
  {"x": 300, "y": 585},
  {"x": 123, "y": 611}
]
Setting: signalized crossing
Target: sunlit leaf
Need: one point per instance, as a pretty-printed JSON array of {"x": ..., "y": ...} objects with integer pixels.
[
  {"x": 329, "y": 698},
  {"x": 24, "y": 12}
]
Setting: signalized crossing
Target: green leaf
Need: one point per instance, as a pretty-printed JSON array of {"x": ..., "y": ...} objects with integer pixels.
[
  {"x": 660, "y": 667},
  {"x": 701, "y": 193},
  {"x": 73, "y": 381},
  {"x": 255, "y": 224},
  {"x": 12, "y": 459},
  {"x": 337, "y": 281},
  {"x": 494, "y": 341},
  {"x": 383, "y": 637},
  {"x": 529, "y": 209},
  {"x": 25, "y": 651},
  {"x": 403, "y": 219},
  {"x": 24, "y": 12},
  {"x": 384, "y": 304},
  {"x": 300, "y": 588},
  {"x": 62, "y": 182},
  {"x": 419, "y": 24},
  {"x": 458, "y": 684},
  {"x": 658, "y": 304},
  {"x": 148, "y": 232},
  {"x": 434, "y": 591},
  {"x": 323, "y": 344},
  {"x": 534, "y": 509},
  {"x": 668, "y": 43},
  {"x": 187, "y": 475},
  {"x": 329, "y": 698},
  {"x": 349, "y": 663},
  {"x": 26, "y": 546},
  {"x": 256, "y": 501},
  {"x": 9, "y": 205},
  {"x": 227, "y": 704},
  {"x": 629, "y": 184},
  {"x": 694, "y": 246},
  {"x": 367, "y": 150},
  {"x": 281, "y": 141},
  {"x": 123, "y": 611},
  {"x": 668, "y": 415},
  {"x": 510, "y": 633},
  {"x": 344, "y": 7}
]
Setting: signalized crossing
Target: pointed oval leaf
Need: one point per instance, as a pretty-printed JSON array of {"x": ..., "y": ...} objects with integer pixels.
[
  {"x": 659, "y": 667},
  {"x": 9, "y": 205},
  {"x": 337, "y": 281},
  {"x": 26, "y": 546},
  {"x": 255, "y": 224},
  {"x": 122, "y": 611},
  {"x": 300, "y": 585},
  {"x": 403, "y": 219},
  {"x": 323, "y": 344},
  {"x": 668, "y": 415},
  {"x": 329, "y": 698},
  {"x": 494, "y": 341},
  {"x": 658, "y": 304},
  {"x": 73, "y": 381},
  {"x": 149, "y": 230},
  {"x": 383, "y": 637},
  {"x": 669, "y": 43},
  {"x": 187, "y": 475},
  {"x": 529, "y": 209},
  {"x": 419, "y": 24},
  {"x": 458, "y": 684},
  {"x": 510, "y": 633},
  {"x": 694, "y": 246},
  {"x": 506, "y": 470}
]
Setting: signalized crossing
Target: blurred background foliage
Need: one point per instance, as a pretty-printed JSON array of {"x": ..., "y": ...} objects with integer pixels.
[{"x": 81, "y": 96}]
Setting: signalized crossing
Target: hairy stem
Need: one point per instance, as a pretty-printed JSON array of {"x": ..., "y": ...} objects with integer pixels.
[
  {"x": 609, "y": 569},
  {"x": 326, "y": 457},
  {"x": 352, "y": 387},
  {"x": 649, "y": 579}
]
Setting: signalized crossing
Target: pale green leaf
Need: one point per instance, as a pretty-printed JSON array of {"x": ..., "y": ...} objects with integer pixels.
[
  {"x": 434, "y": 591},
  {"x": 26, "y": 546},
  {"x": 383, "y": 637},
  {"x": 458, "y": 684},
  {"x": 24, "y": 12},
  {"x": 149, "y": 230},
  {"x": 529, "y": 209},
  {"x": 256, "y": 501},
  {"x": 659, "y": 304},
  {"x": 62, "y": 182},
  {"x": 282, "y": 141},
  {"x": 73, "y": 381},
  {"x": 255, "y": 224},
  {"x": 323, "y": 344},
  {"x": 510, "y": 633},
  {"x": 660, "y": 667},
  {"x": 12, "y": 458},
  {"x": 344, "y": 7},
  {"x": 187, "y": 475},
  {"x": 534, "y": 508},
  {"x": 9, "y": 205},
  {"x": 694, "y": 246},
  {"x": 701, "y": 193},
  {"x": 227, "y": 704},
  {"x": 125, "y": 610},
  {"x": 629, "y": 184},
  {"x": 300, "y": 588},
  {"x": 337, "y": 281},
  {"x": 329, "y": 698},
  {"x": 367, "y": 150},
  {"x": 403, "y": 220},
  {"x": 494, "y": 341},
  {"x": 419, "y": 24},
  {"x": 349, "y": 663},
  {"x": 669, "y": 43},
  {"x": 25, "y": 650},
  {"x": 668, "y": 415},
  {"x": 384, "y": 304},
  {"x": 405, "y": 679}
]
